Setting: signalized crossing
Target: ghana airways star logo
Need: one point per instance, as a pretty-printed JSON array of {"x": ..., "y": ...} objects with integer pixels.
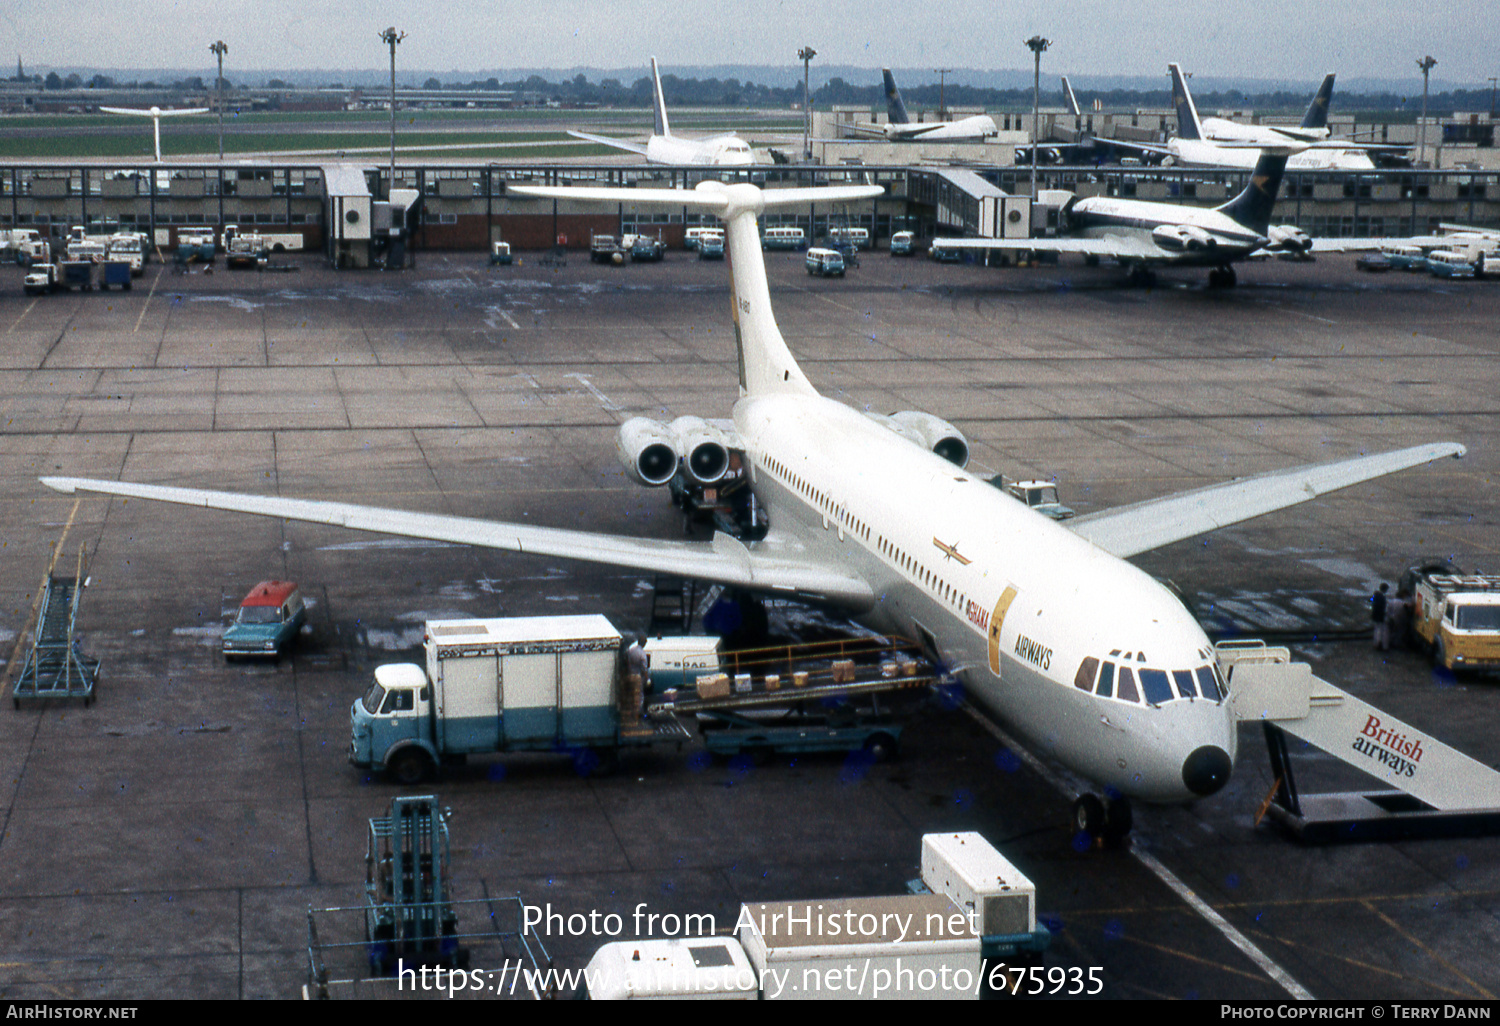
[{"x": 951, "y": 551}]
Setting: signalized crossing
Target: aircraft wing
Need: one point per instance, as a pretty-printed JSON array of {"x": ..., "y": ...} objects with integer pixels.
[
  {"x": 148, "y": 113},
  {"x": 774, "y": 565},
  {"x": 604, "y": 140},
  {"x": 1113, "y": 247},
  {"x": 1350, "y": 245},
  {"x": 1143, "y": 526}
]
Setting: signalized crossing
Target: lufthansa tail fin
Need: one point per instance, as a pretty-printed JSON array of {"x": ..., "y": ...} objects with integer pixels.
[
  {"x": 1317, "y": 111},
  {"x": 1188, "y": 125},
  {"x": 662, "y": 128},
  {"x": 1252, "y": 208},
  {"x": 893, "y": 100}
]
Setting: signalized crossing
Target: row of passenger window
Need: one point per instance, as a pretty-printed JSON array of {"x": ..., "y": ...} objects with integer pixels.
[{"x": 1131, "y": 684}]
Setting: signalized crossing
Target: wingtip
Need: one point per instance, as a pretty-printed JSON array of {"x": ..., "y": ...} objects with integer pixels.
[{"x": 66, "y": 485}]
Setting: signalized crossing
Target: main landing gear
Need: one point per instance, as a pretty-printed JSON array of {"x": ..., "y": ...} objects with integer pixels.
[
  {"x": 1222, "y": 278},
  {"x": 1108, "y": 819}
]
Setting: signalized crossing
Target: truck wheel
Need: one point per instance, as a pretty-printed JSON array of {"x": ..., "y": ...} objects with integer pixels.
[
  {"x": 410, "y": 766},
  {"x": 880, "y": 747}
]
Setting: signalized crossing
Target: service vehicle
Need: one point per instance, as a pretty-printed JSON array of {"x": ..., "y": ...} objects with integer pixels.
[
  {"x": 903, "y": 243},
  {"x": 677, "y": 661},
  {"x": 825, "y": 263},
  {"x": 115, "y": 272},
  {"x": 859, "y": 238},
  {"x": 607, "y": 249},
  {"x": 276, "y": 242},
  {"x": 711, "y": 245},
  {"x": 1450, "y": 263},
  {"x": 500, "y": 255},
  {"x": 691, "y": 237},
  {"x": 269, "y": 618},
  {"x": 19, "y": 244},
  {"x": 40, "y": 278},
  {"x": 85, "y": 249},
  {"x": 945, "y": 254},
  {"x": 783, "y": 238},
  {"x": 196, "y": 245},
  {"x": 75, "y": 274},
  {"x": 539, "y": 684},
  {"x": 246, "y": 251},
  {"x": 970, "y": 904},
  {"x": 1375, "y": 263},
  {"x": 1489, "y": 265},
  {"x": 1455, "y": 615},
  {"x": 647, "y": 249},
  {"x": 1039, "y": 495},
  {"x": 129, "y": 247},
  {"x": 1404, "y": 256}
]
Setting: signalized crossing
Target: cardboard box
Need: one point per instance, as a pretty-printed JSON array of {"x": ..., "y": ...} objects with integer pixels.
[{"x": 713, "y": 685}]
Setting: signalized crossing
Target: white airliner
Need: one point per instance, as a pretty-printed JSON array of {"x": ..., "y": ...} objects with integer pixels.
[
  {"x": 1219, "y": 142},
  {"x": 1142, "y": 235},
  {"x": 155, "y": 114},
  {"x": 901, "y": 128},
  {"x": 665, "y": 148},
  {"x": 1046, "y": 624}
]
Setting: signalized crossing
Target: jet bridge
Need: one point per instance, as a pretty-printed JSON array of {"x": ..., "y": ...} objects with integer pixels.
[{"x": 1433, "y": 789}]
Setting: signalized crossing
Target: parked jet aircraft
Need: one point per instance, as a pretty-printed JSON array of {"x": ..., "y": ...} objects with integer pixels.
[
  {"x": 1218, "y": 142},
  {"x": 901, "y": 128},
  {"x": 665, "y": 148},
  {"x": 155, "y": 114},
  {"x": 1047, "y": 625},
  {"x": 1141, "y": 235}
]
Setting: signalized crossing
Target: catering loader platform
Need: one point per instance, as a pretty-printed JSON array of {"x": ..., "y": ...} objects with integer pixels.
[{"x": 1433, "y": 790}]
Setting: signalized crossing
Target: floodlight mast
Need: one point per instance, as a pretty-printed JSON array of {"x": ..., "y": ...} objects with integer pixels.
[
  {"x": 805, "y": 55},
  {"x": 1426, "y": 64},
  {"x": 220, "y": 49},
  {"x": 391, "y": 37},
  {"x": 1037, "y": 45}
]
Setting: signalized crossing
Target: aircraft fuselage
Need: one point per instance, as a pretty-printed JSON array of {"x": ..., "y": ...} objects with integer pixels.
[{"x": 1016, "y": 605}]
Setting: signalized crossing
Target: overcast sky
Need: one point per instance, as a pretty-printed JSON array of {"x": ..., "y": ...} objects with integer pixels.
[{"x": 1270, "y": 39}]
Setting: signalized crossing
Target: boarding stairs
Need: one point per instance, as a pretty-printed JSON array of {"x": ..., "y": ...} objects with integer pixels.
[
  {"x": 1432, "y": 788},
  {"x": 55, "y": 666}
]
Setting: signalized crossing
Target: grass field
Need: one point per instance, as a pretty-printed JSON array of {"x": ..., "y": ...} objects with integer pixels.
[{"x": 469, "y": 133}]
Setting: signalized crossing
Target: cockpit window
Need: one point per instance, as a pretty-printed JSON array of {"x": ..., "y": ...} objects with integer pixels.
[
  {"x": 1084, "y": 679},
  {"x": 1106, "y": 687},
  {"x": 1154, "y": 683},
  {"x": 1184, "y": 681},
  {"x": 1206, "y": 683},
  {"x": 1126, "y": 692}
]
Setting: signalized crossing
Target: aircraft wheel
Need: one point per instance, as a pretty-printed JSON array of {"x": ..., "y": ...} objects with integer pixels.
[
  {"x": 1118, "y": 819},
  {"x": 881, "y": 748},
  {"x": 1088, "y": 816},
  {"x": 1229, "y": 277}
]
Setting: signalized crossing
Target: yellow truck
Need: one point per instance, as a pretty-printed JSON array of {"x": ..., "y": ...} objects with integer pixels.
[{"x": 1455, "y": 615}]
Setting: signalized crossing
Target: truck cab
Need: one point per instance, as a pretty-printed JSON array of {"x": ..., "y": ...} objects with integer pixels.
[
  {"x": 1456, "y": 616},
  {"x": 388, "y": 725},
  {"x": 824, "y": 262},
  {"x": 1039, "y": 495},
  {"x": 903, "y": 244}
]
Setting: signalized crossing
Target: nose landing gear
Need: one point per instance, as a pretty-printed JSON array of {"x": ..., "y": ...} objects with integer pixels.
[{"x": 1108, "y": 820}]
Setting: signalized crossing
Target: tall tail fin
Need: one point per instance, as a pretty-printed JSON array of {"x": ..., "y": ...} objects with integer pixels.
[
  {"x": 657, "y": 101},
  {"x": 1317, "y": 111},
  {"x": 893, "y": 100},
  {"x": 766, "y": 363},
  {"x": 1188, "y": 125},
  {"x": 1069, "y": 98},
  {"x": 1252, "y": 208}
]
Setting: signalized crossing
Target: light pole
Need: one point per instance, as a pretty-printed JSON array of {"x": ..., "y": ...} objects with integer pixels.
[
  {"x": 1426, "y": 64},
  {"x": 942, "y": 74},
  {"x": 391, "y": 37},
  {"x": 805, "y": 55},
  {"x": 1492, "y": 97},
  {"x": 220, "y": 49},
  {"x": 1037, "y": 44}
]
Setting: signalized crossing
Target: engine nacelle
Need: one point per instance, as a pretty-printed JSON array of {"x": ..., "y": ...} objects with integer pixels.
[
  {"x": 1289, "y": 239},
  {"x": 648, "y": 449},
  {"x": 1181, "y": 238},
  {"x": 935, "y": 434},
  {"x": 703, "y": 448}
]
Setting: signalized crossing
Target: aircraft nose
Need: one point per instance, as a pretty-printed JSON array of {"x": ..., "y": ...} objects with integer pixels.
[{"x": 1206, "y": 770}]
